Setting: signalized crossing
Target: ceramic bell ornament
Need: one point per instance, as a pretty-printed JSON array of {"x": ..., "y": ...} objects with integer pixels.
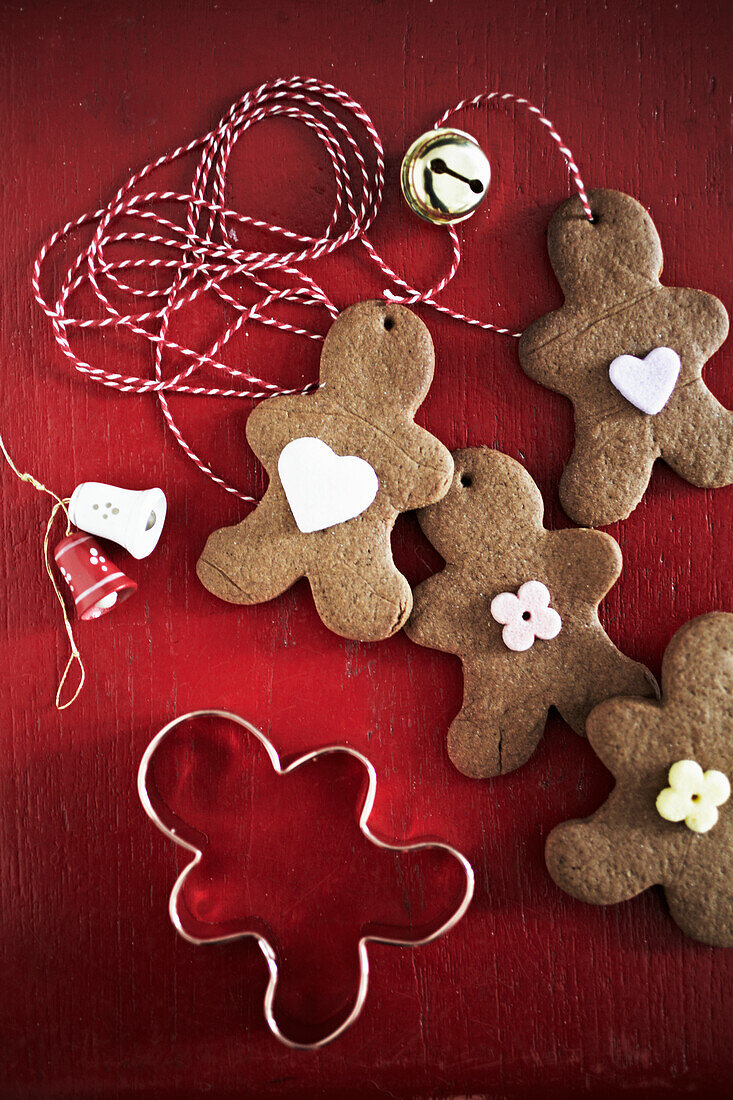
[
  {"x": 132, "y": 519},
  {"x": 95, "y": 582}
]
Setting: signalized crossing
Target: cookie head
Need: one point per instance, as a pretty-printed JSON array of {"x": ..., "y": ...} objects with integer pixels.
[
  {"x": 488, "y": 489},
  {"x": 699, "y": 685},
  {"x": 621, "y": 245},
  {"x": 379, "y": 352}
]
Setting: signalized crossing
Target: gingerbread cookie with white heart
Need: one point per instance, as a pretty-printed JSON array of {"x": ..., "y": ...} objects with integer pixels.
[
  {"x": 629, "y": 354},
  {"x": 343, "y": 463},
  {"x": 669, "y": 819},
  {"x": 519, "y": 605}
]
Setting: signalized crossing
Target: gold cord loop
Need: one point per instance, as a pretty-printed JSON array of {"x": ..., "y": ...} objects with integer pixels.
[{"x": 61, "y": 503}]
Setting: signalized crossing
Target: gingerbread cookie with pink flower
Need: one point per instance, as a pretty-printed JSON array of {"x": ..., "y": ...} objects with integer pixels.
[
  {"x": 519, "y": 605},
  {"x": 669, "y": 819}
]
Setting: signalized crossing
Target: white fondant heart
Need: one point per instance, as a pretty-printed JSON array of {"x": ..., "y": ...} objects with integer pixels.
[
  {"x": 647, "y": 383},
  {"x": 323, "y": 488}
]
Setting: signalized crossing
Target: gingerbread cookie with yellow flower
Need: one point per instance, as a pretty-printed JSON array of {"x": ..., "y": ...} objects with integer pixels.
[{"x": 669, "y": 819}]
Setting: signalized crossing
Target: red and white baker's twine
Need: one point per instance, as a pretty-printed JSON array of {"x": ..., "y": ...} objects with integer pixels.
[{"x": 203, "y": 255}]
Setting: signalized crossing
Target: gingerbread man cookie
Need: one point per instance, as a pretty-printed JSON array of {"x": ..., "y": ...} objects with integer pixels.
[
  {"x": 343, "y": 463},
  {"x": 629, "y": 353},
  {"x": 519, "y": 605},
  {"x": 669, "y": 819}
]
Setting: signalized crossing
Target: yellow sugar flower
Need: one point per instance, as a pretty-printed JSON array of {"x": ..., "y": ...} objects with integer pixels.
[{"x": 693, "y": 796}]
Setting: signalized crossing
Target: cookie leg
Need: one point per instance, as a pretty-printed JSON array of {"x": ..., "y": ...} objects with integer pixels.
[
  {"x": 701, "y": 903},
  {"x": 252, "y": 562},
  {"x": 601, "y": 671},
  {"x": 608, "y": 471},
  {"x": 491, "y": 734},
  {"x": 606, "y": 859},
  {"x": 364, "y": 600},
  {"x": 699, "y": 444}
]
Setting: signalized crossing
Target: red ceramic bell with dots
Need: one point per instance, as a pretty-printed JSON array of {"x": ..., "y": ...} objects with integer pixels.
[{"x": 95, "y": 582}]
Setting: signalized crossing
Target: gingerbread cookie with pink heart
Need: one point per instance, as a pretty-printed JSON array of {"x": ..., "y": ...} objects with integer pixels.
[
  {"x": 519, "y": 605},
  {"x": 343, "y": 463},
  {"x": 629, "y": 354},
  {"x": 669, "y": 819}
]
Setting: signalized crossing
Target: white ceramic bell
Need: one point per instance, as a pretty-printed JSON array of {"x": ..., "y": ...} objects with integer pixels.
[{"x": 130, "y": 518}]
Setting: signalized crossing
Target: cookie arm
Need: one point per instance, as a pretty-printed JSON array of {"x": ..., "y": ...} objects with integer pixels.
[
  {"x": 586, "y": 563},
  {"x": 601, "y": 672},
  {"x": 543, "y": 354},
  {"x": 272, "y": 424},
  {"x": 414, "y": 467},
  {"x": 696, "y": 321},
  {"x": 434, "y": 471},
  {"x": 442, "y": 613},
  {"x": 609, "y": 857}
]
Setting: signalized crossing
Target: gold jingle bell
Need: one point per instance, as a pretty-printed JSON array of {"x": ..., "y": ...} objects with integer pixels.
[{"x": 445, "y": 175}]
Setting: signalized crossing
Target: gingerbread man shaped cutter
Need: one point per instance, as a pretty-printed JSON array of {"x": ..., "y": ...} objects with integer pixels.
[{"x": 456, "y": 913}]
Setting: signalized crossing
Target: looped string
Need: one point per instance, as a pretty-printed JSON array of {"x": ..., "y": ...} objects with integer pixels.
[
  {"x": 36, "y": 485},
  {"x": 509, "y": 97},
  {"x": 201, "y": 253},
  {"x": 59, "y": 505},
  {"x": 486, "y": 98}
]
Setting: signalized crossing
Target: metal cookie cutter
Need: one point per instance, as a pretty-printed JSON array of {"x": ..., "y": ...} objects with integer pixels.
[{"x": 265, "y": 946}]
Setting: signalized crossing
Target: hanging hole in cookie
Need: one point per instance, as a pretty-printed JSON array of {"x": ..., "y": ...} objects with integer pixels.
[
  {"x": 526, "y": 615},
  {"x": 466, "y": 481},
  {"x": 595, "y": 219},
  {"x": 389, "y": 323}
]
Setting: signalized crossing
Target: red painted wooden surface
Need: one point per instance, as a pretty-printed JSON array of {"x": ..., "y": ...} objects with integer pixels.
[{"x": 534, "y": 991}]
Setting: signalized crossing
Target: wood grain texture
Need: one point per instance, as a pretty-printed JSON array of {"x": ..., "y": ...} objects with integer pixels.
[{"x": 534, "y": 993}]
